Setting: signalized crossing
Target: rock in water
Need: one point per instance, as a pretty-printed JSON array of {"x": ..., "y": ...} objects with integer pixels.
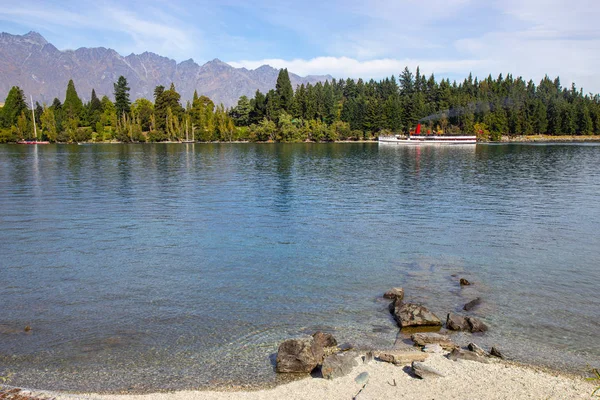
[
  {"x": 455, "y": 322},
  {"x": 324, "y": 339},
  {"x": 475, "y": 325},
  {"x": 424, "y": 371},
  {"x": 464, "y": 282},
  {"x": 476, "y": 349},
  {"x": 472, "y": 304},
  {"x": 362, "y": 378},
  {"x": 410, "y": 314},
  {"x": 496, "y": 353},
  {"x": 298, "y": 355},
  {"x": 425, "y": 338},
  {"x": 338, "y": 365},
  {"x": 460, "y": 354},
  {"x": 394, "y": 293}
]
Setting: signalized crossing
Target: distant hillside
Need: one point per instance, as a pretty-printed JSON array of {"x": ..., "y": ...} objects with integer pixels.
[{"x": 43, "y": 71}]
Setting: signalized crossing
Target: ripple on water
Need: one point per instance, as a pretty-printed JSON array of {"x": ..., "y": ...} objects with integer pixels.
[{"x": 166, "y": 267}]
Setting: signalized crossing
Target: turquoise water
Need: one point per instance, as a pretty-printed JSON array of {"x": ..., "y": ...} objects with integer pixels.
[{"x": 144, "y": 267}]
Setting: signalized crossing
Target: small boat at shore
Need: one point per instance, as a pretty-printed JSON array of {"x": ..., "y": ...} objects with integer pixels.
[
  {"x": 32, "y": 142},
  {"x": 418, "y": 139}
]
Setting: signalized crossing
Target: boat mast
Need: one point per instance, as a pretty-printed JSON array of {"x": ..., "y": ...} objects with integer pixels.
[{"x": 33, "y": 113}]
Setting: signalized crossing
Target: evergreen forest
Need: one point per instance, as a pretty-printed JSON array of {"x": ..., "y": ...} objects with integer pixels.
[{"x": 330, "y": 111}]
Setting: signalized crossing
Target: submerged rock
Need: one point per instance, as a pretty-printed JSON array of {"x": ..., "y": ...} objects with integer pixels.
[
  {"x": 324, "y": 339},
  {"x": 338, "y": 365},
  {"x": 425, "y": 338},
  {"x": 298, "y": 356},
  {"x": 394, "y": 293},
  {"x": 410, "y": 314},
  {"x": 476, "y": 325},
  {"x": 464, "y": 282},
  {"x": 472, "y": 304},
  {"x": 424, "y": 371},
  {"x": 455, "y": 322}
]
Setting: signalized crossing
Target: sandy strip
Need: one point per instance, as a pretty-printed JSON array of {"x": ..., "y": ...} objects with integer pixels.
[{"x": 463, "y": 380}]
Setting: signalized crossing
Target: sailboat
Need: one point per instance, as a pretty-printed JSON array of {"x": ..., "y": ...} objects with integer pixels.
[
  {"x": 35, "y": 141},
  {"x": 187, "y": 135}
]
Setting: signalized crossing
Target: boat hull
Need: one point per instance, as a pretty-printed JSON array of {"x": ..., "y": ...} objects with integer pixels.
[
  {"x": 429, "y": 140},
  {"x": 32, "y": 142}
]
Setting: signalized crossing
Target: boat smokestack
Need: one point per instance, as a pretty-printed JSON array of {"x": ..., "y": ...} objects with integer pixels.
[{"x": 418, "y": 130}]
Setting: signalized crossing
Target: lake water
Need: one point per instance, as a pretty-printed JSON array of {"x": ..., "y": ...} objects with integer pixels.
[{"x": 144, "y": 267}]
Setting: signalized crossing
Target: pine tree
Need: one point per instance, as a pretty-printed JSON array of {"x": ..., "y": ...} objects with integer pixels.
[
  {"x": 241, "y": 112},
  {"x": 284, "y": 91},
  {"x": 122, "y": 102},
  {"x": 14, "y": 106},
  {"x": 258, "y": 107},
  {"x": 73, "y": 106}
]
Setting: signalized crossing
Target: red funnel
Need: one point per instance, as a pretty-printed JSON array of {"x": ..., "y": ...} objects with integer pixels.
[{"x": 418, "y": 131}]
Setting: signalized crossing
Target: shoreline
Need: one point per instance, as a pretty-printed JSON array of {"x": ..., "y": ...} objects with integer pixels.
[
  {"x": 520, "y": 139},
  {"x": 496, "y": 379}
]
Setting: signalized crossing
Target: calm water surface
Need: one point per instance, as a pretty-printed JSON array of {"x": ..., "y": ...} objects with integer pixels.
[{"x": 144, "y": 267}]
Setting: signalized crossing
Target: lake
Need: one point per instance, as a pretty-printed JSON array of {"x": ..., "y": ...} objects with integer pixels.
[{"x": 170, "y": 266}]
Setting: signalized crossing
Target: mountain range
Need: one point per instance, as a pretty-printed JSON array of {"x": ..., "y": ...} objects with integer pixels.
[{"x": 43, "y": 71}]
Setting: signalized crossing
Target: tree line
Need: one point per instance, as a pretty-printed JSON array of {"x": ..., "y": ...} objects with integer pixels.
[
  {"x": 352, "y": 110},
  {"x": 101, "y": 120},
  {"x": 334, "y": 110}
]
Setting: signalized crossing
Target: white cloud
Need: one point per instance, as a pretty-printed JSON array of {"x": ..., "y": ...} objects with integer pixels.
[
  {"x": 168, "y": 38},
  {"x": 343, "y": 67},
  {"x": 148, "y": 28}
]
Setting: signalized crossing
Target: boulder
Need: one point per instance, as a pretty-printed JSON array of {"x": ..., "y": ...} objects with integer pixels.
[
  {"x": 298, "y": 356},
  {"x": 338, "y": 365},
  {"x": 410, "y": 314},
  {"x": 324, "y": 339},
  {"x": 402, "y": 357},
  {"x": 476, "y": 349},
  {"x": 464, "y": 282},
  {"x": 461, "y": 354},
  {"x": 472, "y": 304},
  {"x": 495, "y": 352},
  {"x": 476, "y": 325},
  {"x": 455, "y": 322},
  {"x": 425, "y": 338},
  {"x": 424, "y": 371},
  {"x": 394, "y": 293}
]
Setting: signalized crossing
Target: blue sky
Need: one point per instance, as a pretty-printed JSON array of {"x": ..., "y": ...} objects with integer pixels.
[{"x": 368, "y": 39}]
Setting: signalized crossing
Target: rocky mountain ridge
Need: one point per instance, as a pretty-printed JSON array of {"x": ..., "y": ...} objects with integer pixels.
[{"x": 43, "y": 71}]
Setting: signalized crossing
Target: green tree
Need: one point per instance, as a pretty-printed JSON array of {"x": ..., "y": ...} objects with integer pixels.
[
  {"x": 48, "y": 122},
  {"x": 284, "y": 91},
  {"x": 14, "y": 106},
  {"x": 241, "y": 112},
  {"x": 122, "y": 102},
  {"x": 143, "y": 110},
  {"x": 73, "y": 105}
]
